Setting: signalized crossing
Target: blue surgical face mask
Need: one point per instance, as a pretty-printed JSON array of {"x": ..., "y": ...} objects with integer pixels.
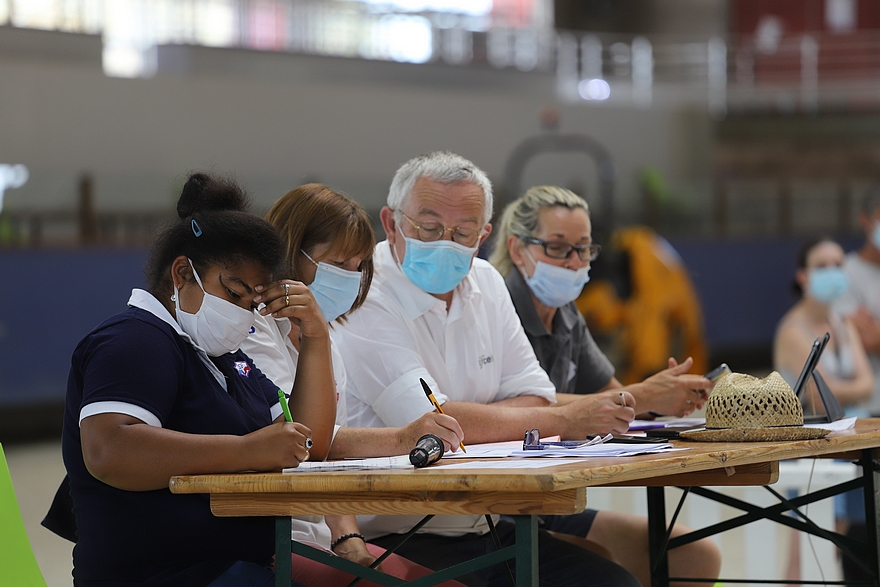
[
  {"x": 556, "y": 286},
  {"x": 826, "y": 284},
  {"x": 334, "y": 288},
  {"x": 436, "y": 267}
]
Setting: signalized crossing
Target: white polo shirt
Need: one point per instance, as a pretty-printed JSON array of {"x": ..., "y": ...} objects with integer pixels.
[
  {"x": 475, "y": 352},
  {"x": 273, "y": 353}
]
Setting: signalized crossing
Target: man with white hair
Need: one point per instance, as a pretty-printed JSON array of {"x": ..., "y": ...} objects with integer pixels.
[{"x": 437, "y": 313}]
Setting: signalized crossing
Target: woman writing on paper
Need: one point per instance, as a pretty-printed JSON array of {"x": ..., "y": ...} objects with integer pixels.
[
  {"x": 328, "y": 242},
  {"x": 162, "y": 389}
]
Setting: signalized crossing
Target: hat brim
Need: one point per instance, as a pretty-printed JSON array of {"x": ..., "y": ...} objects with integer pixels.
[{"x": 754, "y": 434}]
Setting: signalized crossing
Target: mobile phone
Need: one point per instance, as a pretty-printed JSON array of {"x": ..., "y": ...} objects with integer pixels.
[{"x": 717, "y": 372}]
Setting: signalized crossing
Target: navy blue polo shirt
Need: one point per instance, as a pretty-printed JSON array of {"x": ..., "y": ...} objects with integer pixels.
[{"x": 155, "y": 537}]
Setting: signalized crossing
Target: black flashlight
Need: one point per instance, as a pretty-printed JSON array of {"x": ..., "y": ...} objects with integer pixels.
[{"x": 428, "y": 450}]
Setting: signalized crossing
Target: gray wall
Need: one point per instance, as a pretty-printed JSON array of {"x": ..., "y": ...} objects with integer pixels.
[{"x": 277, "y": 120}]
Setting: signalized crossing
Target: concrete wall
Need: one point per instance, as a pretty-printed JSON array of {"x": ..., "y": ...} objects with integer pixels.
[{"x": 277, "y": 120}]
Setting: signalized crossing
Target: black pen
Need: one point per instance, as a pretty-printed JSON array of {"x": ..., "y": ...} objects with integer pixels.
[{"x": 436, "y": 405}]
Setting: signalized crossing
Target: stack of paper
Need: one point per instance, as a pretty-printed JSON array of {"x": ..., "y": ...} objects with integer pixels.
[{"x": 398, "y": 462}]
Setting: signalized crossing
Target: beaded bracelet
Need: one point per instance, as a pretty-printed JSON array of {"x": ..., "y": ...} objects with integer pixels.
[{"x": 345, "y": 537}]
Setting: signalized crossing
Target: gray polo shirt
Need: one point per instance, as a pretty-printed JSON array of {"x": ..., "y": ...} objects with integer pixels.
[{"x": 568, "y": 354}]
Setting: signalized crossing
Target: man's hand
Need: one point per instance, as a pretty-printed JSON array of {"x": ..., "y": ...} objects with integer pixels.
[
  {"x": 443, "y": 426},
  {"x": 599, "y": 413},
  {"x": 673, "y": 391}
]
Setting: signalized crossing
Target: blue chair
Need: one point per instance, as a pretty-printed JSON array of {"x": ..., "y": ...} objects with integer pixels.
[{"x": 18, "y": 566}]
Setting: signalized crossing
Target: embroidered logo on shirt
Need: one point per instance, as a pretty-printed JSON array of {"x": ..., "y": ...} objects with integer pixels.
[
  {"x": 252, "y": 330},
  {"x": 243, "y": 368},
  {"x": 484, "y": 360}
]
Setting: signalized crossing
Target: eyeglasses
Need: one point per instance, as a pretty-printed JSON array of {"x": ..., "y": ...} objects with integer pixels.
[
  {"x": 561, "y": 250},
  {"x": 532, "y": 441},
  {"x": 432, "y": 231}
]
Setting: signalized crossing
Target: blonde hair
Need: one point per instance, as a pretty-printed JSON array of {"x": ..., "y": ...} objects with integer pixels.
[{"x": 520, "y": 219}]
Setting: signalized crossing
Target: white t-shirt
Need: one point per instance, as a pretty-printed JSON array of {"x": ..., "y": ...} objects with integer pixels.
[
  {"x": 863, "y": 290},
  {"x": 274, "y": 354},
  {"x": 475, "y": 352}
]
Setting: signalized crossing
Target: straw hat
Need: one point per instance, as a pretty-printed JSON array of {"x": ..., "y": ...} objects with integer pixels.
[{"x": 745, "y": 408}]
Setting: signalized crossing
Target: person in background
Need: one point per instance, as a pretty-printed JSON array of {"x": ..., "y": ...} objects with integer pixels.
[
  {"x": 861, "y": 301},
  {"x": 820, "y": 281},
  {"x": 543, "y": 250},
  {"x": 328, "y": 244},
  {"x": 162, "y": 389}
]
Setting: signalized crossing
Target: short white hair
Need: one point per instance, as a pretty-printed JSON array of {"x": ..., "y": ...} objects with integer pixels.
[{"x": 441, "y": 166}]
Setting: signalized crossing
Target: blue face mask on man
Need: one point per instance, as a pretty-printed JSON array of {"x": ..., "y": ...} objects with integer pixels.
[
  {"x": 826, "y": 284},
  {"x": 334, "y": 288},
  {"x": 556, "y": 286},
  {"x": 436, "y": 267}
]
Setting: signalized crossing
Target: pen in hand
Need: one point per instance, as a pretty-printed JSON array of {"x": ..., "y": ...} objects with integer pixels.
[
  {"x": 282, "y": 399},
  {"x": 622, "y": 399},
  {"x": 436, "y": 405}
]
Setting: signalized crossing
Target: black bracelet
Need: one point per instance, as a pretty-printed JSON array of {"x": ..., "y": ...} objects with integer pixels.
[{"x": 345, "y": 537}]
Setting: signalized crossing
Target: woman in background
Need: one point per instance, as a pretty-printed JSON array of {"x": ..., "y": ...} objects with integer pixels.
[
  {"x": 819, "y": 280},
  {"x": 543, "y": 249},
  {"x": 162, "y": 389},
  {"x": 328, "y": 244}
]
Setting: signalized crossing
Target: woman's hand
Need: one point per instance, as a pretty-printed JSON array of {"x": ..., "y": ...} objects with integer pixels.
[
  {"x": 674, "y": 391},
  {"x": 293, "y": 300},
  {"x": 277, "y": 446}
]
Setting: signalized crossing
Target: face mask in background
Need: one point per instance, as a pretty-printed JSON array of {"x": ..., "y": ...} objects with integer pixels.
[
  {"x": 219, "y": 326},
  {"x": 334, "y": 288},
  {"x": 826, "y": 284},
  {"x": 556, "y": 286}
]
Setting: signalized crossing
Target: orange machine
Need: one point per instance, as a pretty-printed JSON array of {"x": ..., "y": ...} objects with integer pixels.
[{"x": 660, "y": 318}]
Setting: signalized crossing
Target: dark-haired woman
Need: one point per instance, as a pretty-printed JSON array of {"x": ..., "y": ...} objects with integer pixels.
[
  {"x": 820, "y": 280},
  {"x": 162, "y": 389},
  {"x": 328, "y": 244}
]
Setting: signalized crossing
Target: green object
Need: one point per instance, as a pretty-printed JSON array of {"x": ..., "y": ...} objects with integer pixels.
[
  {"x": 18, "y": 566},
  {"x": 283, "y": 400}
]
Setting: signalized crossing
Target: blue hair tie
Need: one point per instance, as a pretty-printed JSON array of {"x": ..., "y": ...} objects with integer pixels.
[{"x": 197, "y": 230}]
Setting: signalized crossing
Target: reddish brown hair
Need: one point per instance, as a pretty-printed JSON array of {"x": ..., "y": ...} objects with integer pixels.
[{"x": 312, "y": 215}]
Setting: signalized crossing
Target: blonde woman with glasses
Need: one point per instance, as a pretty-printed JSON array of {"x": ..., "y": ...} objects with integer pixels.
[{"x": 544, "y": 249}]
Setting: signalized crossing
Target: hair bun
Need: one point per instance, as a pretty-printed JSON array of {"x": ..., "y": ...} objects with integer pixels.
[{"x": 204, "y": 193}]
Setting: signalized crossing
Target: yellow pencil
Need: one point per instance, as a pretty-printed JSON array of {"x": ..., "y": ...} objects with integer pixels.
[{"x": 436, "y": 405}]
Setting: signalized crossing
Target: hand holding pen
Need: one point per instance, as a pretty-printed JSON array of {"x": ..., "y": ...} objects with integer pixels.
[{"x": 436, "y": 405}]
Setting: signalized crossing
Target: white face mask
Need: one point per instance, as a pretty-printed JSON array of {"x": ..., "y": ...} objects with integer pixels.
[
  {"x": 219, "y": 326},
  {"x": 556, "y": 286}
]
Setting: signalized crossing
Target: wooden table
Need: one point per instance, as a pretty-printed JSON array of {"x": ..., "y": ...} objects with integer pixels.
[{"x": 523, "y": 493}]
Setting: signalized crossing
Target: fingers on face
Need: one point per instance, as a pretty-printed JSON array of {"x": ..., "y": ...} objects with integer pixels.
[{"x": 289, "y": 305}]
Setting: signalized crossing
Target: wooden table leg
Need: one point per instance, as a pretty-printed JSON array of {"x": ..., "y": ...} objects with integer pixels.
[
  {"x": 526, "y": 551},
  {"x": 282, "y": 551},
  {"x": 659, "y": 554}
]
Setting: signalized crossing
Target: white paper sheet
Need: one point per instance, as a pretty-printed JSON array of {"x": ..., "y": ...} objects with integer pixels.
[
  {"x": 398, "y": 462},
  {"x": 837, "y": 426},
  {"x": 505, "y": 464}
]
